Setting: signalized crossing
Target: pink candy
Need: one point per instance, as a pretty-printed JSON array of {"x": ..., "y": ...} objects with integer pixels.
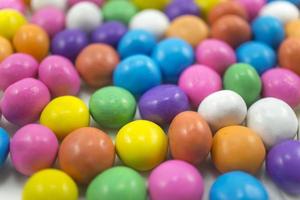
[
  {"x": 252, "y": 7},
  {"x": 13, "y": 4}
]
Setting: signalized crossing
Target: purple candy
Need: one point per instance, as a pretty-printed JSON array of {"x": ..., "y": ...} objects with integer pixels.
[
  {"x": 162, "y": 103},
  {"x": 283, "y": 164},
  {"x": 109, "y": 33},
  {"x": 181, "y": 7},
  {"x": 69, "y": 43}
]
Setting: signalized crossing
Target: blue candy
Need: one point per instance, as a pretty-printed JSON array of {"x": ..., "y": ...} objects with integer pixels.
[{"x": 4, "y": 146}]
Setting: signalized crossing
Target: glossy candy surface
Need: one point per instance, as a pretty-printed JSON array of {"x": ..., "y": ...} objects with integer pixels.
[
  {"x": 6, "y": 48},
  {"x": 4, "y": 146},
  {"x": 182, "y": 7},
  {"x": 288, "y": 54}
]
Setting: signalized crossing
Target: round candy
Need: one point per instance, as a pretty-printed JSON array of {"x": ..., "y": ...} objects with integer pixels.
[
  {"x": 109, "y": 33},
  {"x": 85, "y": 153},
  {"x": 199, "y": 81},
  {"x": 175, "y": 180},
  {"x": 108, "y": 185},
  {"x": 119, "y": 10},
  {"x": 206, "y": 6},
  {"x": 51, "y": 19},
  {"x": 223, "y": 108},
  {"x": 173, "y": 56},
  {"x": 33, "y": 40},
  {"x": 33, "y": 148},
  {"x": 257, "y": 54},
  {"x": 142, "y": 145},
  {"x": 69, "y": 43},
  {"x": 112, "y": 107},
  {"x": 18, "y": 5},
  {"x": 189, "y": 28},
  {"x": 181, "y": 7},
  {"x": 237, "y": 185},
  {"x": 273, "y": 120},
  {"x": 252, "y": 7},
  {"x": 282, "y": 84},
  {"x": 39, "y": 4},
  {"x": 4, "y": 146},
  {"x": 64, "y": 115},
  {"x": 190, "y": 138},
  {"x": 162, "y": 103},
  {"x": 157, "y": 4},
  {"x": 59, "y": 75},
  {"x": 269, "y": 30},
  {"x": 6, "y": 48},
  {"x": 50, "y": 184},
  {"x": 243, "y": 79},
  {"x": 137, "y": 74},
  {"x": 10, "y": 22},
  {"x": 153, "y": 21},
  {"x": 23, "y": 101},
  {"x": 16, "y": 67},
  {"x": 96, "y": 64},
  {"x": 288, "y": 54},
  {"x": 283, "y": 10},
  {"x": 216, "y": 54},
  {"x": 292, "y": 28},
  {"x": 231, "y": 29},
  {"x": 237, "y": 148},
  {"x": 136, "y": 42},
  {"x": 98, "y": 2},
  {"x": 282, "y": 165},
  {"x": 85, "y": 16}
]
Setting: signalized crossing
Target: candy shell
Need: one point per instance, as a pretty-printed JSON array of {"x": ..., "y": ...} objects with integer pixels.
[
  {"x": 156, "y": 4},
  {"x": 292, "y": 28},
  {"x": 6, "y": 48},
  {"x": 288, "y": 54},
  {"x": 4, "y": 146},
  {"x": 252, "y": 7},
  {"x": 98, "y": 2},
  {"x": 39, "y": 4},
  {"x": 182, "y": 7},
  {"x": 18, "y": 5}
]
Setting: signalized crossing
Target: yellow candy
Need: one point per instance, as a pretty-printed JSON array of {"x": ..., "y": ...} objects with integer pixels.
[
  {"x": 5, "y": 48},
  {"x": 292, "y": 28},
  {"x": 50, "y": 184},
  {"x": 65, "y": 114},
  {"x": 207, "y": 5},
  {"x": 142, "y": 145},
  {"x": 10, "y": 21},
  {"x": 156, "y": 4}
]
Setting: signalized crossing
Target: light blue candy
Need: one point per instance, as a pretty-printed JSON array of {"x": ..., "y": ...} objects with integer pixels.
[{"x": 4, "y": 146}]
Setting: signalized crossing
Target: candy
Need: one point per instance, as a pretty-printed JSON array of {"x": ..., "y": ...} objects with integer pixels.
[
  {"x": 33, "y": 40},
  {"x": 190, "y": 138},
  {"x": 69, "y": 43},
  {"x": 175, "y": 180},
  {"x": 4, "y": 146},
  {"x": 136, "y": 42},
  {"x": 39, "y": 4},
  {"x": 162, "y": 103},
  {"x": 288, "y": 54},
  {"x": 141, "y": 145},
  {"x": 86, "y": 152},
  {"x": 207, "y": 5},
  {"x": 5, "y": 48},
  {"x": 189, "y": 28},
  {"x": 50, "y": 184},
  {"x": 237, "y": 148},
  {"x": 153, "y": 21},
  {"x": 85, "y": 16},
  {"x": 199, "y": 81},
  {"x": 282, "y": 163},
  {"x": 237, "y": 185},
  {"x": 112, "y": 107},
  {"x": 59, "y": 75},
  {"x": 13, "y": 4},
  {"x": 157, "y": 4},
  {"x": 64, "y": 115},
  {"x": 98, "y": 2},
  {"x": 23, "y": 101},
  {"x": 252, "y": 7},
  {"x": 273, "y": 120},
  {"x": 33, "y": 148},
  {"x": 243, "y": 79},
  {"x": 96, "y": 64},
  {"x": 182, "y": 7},
  {"x": 137, "y": 74},
  {"x": 173, "y": 56},
  {"x": 282, "y": 84},
  {"x": 292, "y": 28},
  {"x": 109, "y": 185},
  {"x": 215, "y": 54},
  {"x": 16, "y": 67}
]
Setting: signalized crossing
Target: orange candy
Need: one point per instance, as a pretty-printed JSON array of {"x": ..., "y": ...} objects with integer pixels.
[
  {"x": 289, "y": 54},
  {"x": 33, "y": 40},
  {"x": 5, "y": 48},
  {"x": 237, "y": 148},
  {"x": 292, "y": 28}
]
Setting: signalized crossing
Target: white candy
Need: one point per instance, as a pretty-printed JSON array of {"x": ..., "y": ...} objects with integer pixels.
[
  {"x": 283, "y": 10},
  {"x": 223, "y": 108},
  {"x": 150, "y": 20},
  {"x": 38, "y": 4},
  {"x": 273, "y": 120},
  {"x": 85, "y": 16}
]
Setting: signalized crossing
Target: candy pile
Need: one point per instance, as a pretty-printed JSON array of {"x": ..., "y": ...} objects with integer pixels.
[{"x": 212, "y": 80}]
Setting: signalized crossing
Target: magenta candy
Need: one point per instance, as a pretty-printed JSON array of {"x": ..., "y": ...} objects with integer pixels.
[
  {"x": 33, "y": 148},
  {"x": 176, "y": 180},
  {"x": 199, "y": 81},
  {"x": 215, "y": 54},
  {"x": 252, "y": 7},
  {"x": 282, "y": 84},
  {"x": 16, "y": 67},
  {"x": 98, "y": 2},
  {"x": 13, "y": 4},
  {"x": 23, "y": 101},
  {"x": 51, "y": 19}
]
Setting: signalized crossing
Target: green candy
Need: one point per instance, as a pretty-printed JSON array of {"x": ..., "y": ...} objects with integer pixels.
[
  {"x": 244, "y": 80},
  {"x": 119, "y": 10},
  {"x": 112, "y": 107},
  {"x": 118, "y": 183}
]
